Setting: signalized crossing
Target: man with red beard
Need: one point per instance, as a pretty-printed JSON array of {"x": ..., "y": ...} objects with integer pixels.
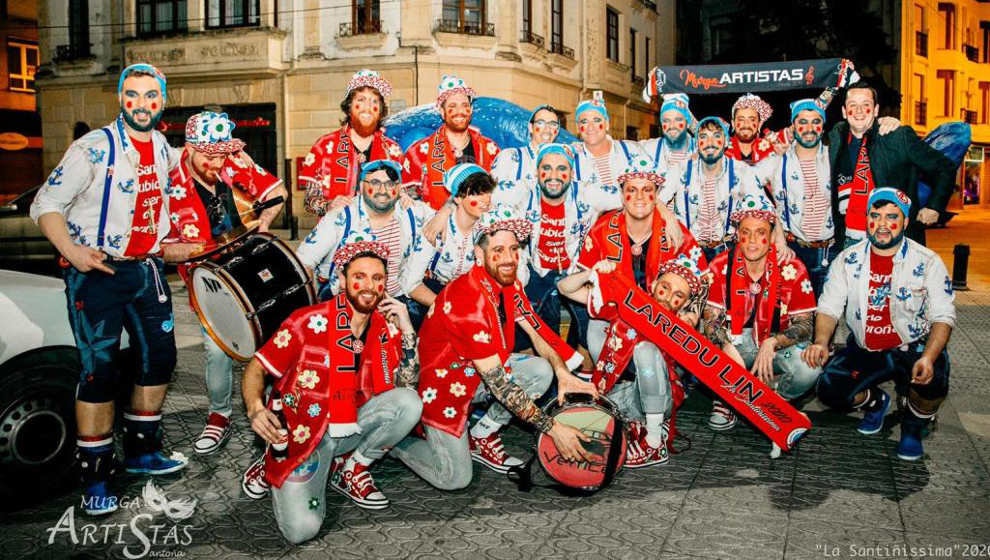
[
  {"x": 467, "y": 339},
  {"x": 213, "y": 170},
  {"x": 631, "y": 370},
  {"x": 456, "y": 141},
  {"x": 330, "y": 170},
  {"x": 769, "y": 306},
  {"x": 343, "y": 374},
  {"x": 749, "y": 112}
]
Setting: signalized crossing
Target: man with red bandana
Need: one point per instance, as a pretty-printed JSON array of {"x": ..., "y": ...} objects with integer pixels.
[
  {"x": 769, "y": 307},
  {"x": 456, "y": 141},
  {"x": 466, "y": 348},
  {"x": 330, "y": 170},
  {"x": 213, "y": 175},
  {"x": 343, "y": 374}
]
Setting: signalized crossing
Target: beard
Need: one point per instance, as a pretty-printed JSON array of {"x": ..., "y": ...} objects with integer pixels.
[
  {"x": 894, "y": 240},
  {"x": 358, "y": 304},
  {"x": 506, "y": 278},
  {"x": 809, "y": 143},
  {"x": 746, "y": 135},
  {"x": 711, "y": 158},
  {"x": 361, "y": 128},
  {"x": 453, "y": 127},
  {"x": 378, "y": 202},
  {"x": 152, "y": 122},
  {"x": 675, "y": 137},
  {"x": 554, "y": 195},
  {"x": 207, "y": 175}
]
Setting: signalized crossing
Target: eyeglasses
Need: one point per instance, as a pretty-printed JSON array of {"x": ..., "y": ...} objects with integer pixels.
[
  {"x": 377, "y": 184},
  {"x": 551, "y": 124}
]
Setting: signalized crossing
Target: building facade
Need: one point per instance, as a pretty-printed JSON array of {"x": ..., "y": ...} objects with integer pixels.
[
  {"x": 280, "y": 67},
  {"x": 945, "y": 76},
  {"x": 20, "y": 123}
]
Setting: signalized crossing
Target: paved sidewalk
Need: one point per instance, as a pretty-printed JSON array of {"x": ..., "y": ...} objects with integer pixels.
[{"x": 838, "y": 495}]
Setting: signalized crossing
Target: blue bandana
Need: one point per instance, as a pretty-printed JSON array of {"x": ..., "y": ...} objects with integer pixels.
[
  {"x": 562, "y": 149},
  {"x": 373, "y": 166},
  {"x": 806, "y": 105},
  {"x": 456, "y": 175},
  {"x": 143, "y": 67}
]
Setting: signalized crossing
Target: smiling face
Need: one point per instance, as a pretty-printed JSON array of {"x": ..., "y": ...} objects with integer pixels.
[
  {"x": 366, "y": 108},
  {"x": 754, "y": 238},
  {"x": 457, "y": 112},
  {"x": 554, "y": 175},
  {"x": 206, "y": 167},
  {"x": 141, "y": 102},
  {"x": 808, "y": 127},
  {"x": 544, "y": 128},
  {"x": 592, "y": 127},
  {"x": 475, "y": 205},
  {"x": 885, "y": 226},
  {"x": 673, "y": 125},
  {"x": 746, "y": 123},
  {"x": 671, "y": 291},
  {"x": 500, "y": 256},
  {"x": 364, "y": 283},
  {"x": 639, "y": 197},
  {"x": 860, "y": 109},
  {"x": 380, "y": 191},
  {"x": 711, "y": 143}
]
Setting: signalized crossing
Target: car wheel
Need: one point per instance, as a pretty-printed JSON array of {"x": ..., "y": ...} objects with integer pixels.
[{"x": 37, "y": 423}]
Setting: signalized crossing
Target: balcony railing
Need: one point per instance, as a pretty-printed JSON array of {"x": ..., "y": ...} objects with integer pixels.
[
  {"x": 638, "y": 81},
  {"x": 972, "y": 53},
  {"x": 466, "y": 27},
  {"x": 649, "y": 4},
  {"x": 921, "y": 113},
  {"x": 969, "y": 116},
  {"x": 65, "y": 53},
  {"x": 558, "y": 48},
  {"x": 920, "y": 43},
  {"x": 532, "y": 38},
  {"x": 349, "y": 29}
]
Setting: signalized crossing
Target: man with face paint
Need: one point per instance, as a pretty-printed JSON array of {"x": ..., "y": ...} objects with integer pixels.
[
  {"x": 456, "y": 141},
  {"x": 749, "y": 113},
  {"x": 599, "y": 158},
  {"x": 862, "y": 158},
  {"x": 678, "y": 127},
  {"x": 630, "y": 370},
  {"x": 434, "y": 264},
  {"x": 466, "y": 353},
  {"x": 561, "y": 212},
  {"x": 345, "y": 372},
  {"x": 104, "y": 209},
  {"x": 710, "y": 187},
  {"x": 329, "y": 173},
  {"x": 898, "y": 302},
  {"x": 769, "y": 306},
  {"x": 212, "y": 172},
  {"x": 516, "y": 167},
  {"x": 375, "y": 214}
]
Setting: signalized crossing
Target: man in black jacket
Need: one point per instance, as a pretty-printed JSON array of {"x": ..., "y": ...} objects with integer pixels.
[{"x": 862, "y": 160}]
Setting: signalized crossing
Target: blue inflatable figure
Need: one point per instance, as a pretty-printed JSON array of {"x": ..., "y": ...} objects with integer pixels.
[
  {"x": 953, "y": 140},
  {"x": 502, "y": 121}
]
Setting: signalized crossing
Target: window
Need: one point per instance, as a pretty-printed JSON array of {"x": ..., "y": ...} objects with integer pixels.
[
  {"x": 465, "y": 16},
  {"x": 232, "y": 13},
  {"x": 632, "y": 52},
  {"x": 365, "y": 16},
  {"x": 984, "y": 102},
  {"x": 612, "y": 34},
  {"x": 632, "y": 133},
  {"x": 985, "y": 26},
  {"x": 948, "y": 78},
  {"x": 527, "y": 15},
  {"x": 557, "y": 26},
  {"x": 78, "y": 29},
  {"x": 160, "y": 16},
  {"x": 725, "y": 40},
  {"x": 947, "y": 16},
  {"x": 920, "y": 103},
  {"x": 646, "y": 59},
  {"x": 22, "y": 61}
]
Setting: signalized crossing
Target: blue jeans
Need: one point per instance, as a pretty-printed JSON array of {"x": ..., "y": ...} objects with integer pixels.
[
  {"x": 547, "y": 302},
  {"x": 817, "y": 262},
  {"x": 219, "y": 377}
]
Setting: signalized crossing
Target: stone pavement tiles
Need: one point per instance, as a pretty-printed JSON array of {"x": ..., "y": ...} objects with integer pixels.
[{"x": 837, "y": 495}]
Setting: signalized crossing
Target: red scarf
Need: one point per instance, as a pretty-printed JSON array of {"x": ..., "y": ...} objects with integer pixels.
[
  {"x": 766, "y": 302},
  {"x": 859, "y": 189},
  {"x": 428, "y": 159},
  {"x": 759, "y": 149},
  {"x": 336, "y": 164}
]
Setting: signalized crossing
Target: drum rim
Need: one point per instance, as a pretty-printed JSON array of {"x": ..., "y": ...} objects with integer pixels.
[{"x": 240, "y": 298}]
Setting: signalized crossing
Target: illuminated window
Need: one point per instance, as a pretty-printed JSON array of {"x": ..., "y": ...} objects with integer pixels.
[{"x": 22, "y": 62}]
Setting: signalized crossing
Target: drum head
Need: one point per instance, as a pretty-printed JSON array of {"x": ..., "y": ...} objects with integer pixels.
[
  {"x": 600, "y": 426},
  {"x": 222, "y": 243},
  {"x": 222, "y": 311}
]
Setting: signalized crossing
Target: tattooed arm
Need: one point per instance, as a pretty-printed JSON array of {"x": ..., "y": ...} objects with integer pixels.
[
  {"x": 407, "y": 374},
  {"x": 315, "y": 201},
  {"x": 798, "y": 330},
  {"x": 512, "y": 396}
]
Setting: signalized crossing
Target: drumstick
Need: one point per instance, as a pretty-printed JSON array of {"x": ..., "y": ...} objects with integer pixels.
[{"x": 261, "y": 206}]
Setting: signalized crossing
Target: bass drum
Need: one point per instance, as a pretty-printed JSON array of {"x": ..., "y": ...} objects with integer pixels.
[
  {"x": 244, "y": 294},
  {"x": 598, "y": 419}
]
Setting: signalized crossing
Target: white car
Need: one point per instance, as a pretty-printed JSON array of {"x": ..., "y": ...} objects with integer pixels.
[{"x": 39, "y": 370}]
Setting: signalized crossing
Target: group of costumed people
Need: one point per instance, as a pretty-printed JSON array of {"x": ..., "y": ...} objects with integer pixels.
[{"x": 443, "y": 273}]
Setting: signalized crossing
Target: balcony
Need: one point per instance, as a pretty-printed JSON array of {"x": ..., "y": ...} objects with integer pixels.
[
  {"x": 559, "y": 48},
  {"x": 638, "y": 82},
  {"x": 349, "y": 29},
  {"x": 464, "y": 27},
  {"x": 531, "y": 38},
  {"x": 921, "y": 113},
  {"x": 66, "y": 53},
  {"x": 649, "y": 5},
  {"x": 921, "y": 43},
  {"x": 969, "y": 117},
  {"x": 243, "y": 50},
  {"x": 972, "y": 53}
]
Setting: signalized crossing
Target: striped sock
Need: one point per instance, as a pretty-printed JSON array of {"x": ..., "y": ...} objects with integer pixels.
[{"x": 142, "y": 424}]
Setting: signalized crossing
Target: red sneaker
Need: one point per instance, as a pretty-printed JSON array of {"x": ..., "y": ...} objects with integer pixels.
[
  {"x": 356, "y": 483},
  {"x": 214, "y": 435},
  {"x": 253, "y": 482},
  {"x": 491, "y": 453},
  {"x": 641, "y": 454},
  {"x": 722, "y": 418}
]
